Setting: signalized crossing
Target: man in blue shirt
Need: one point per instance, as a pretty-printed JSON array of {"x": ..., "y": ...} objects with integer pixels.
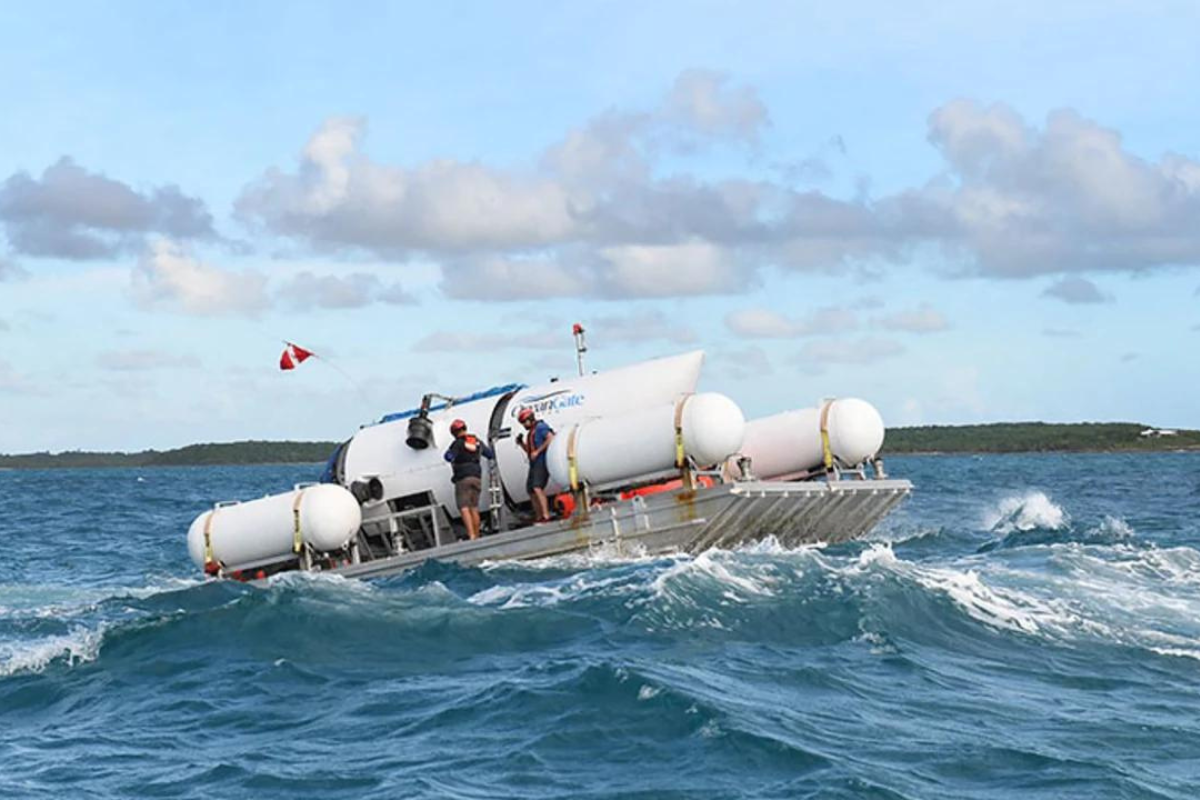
[
  {"x": 538, "y": 440},
  {"x": 463, "y": 454}
]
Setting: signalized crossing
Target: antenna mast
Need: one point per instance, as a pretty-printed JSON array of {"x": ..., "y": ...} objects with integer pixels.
[{"x": 580, "y": 346}]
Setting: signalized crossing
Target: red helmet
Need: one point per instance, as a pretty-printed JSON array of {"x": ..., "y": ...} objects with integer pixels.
[
  {"x": 525, "y": 415},
  {"x": 457, "y": 426}
]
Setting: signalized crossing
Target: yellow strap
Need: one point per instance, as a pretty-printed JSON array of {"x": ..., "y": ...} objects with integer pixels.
[
  {"x": 297, "y": 539},
  {"x": 572, "y": 461},
  {"x": 827, "y": 451},
  {"x": 680, "y": 457},
  {"x": 208, "y": 551}
]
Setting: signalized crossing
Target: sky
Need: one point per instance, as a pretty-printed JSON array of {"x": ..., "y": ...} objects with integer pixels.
[{"x": 961, "y": 213}]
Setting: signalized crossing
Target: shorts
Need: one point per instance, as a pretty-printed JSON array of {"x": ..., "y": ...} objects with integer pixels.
[
  {"x": 539, "y": 476},
  {"x": 466, "y": 492}
]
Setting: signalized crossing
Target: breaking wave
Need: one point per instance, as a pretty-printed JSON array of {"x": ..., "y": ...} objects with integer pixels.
[
  {"x": 1027, "y": 512},
  {"x": 1122, "y": 594}
]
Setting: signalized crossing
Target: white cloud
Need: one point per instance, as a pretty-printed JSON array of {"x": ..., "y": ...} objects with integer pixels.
[
  {"x": 338, "y": 197},
  {"x": 144, "y": 360},
  {"x": 923, "y": 319},
  {"x": 395, "y": 295},
  {"x": 868, "y": 303},
  {"x": 635, "y": 271},
  {"x": 688, "y": 268},
  {"x": 1077, "y": 290},
  {"x": 10, "y": 271},
  {"x": 489, "y": 341},
  {"x": 705, "y": 101},
  {"x": 868, "y": 350},
  {"x": 599, "y": 212},
  {"x": 747, "y": 363},
  {"x": 522, "y": 278},
  {"x": 642, "y": 326},
  {"x": 358, "y": 289},
  {"x": 72, "y": 213},
  {"x": 591, "y": 214},
  {"x": 762, "y": 323},
  {"x": 1068, "y": 197},
  {"x": 166, "y": 277}
]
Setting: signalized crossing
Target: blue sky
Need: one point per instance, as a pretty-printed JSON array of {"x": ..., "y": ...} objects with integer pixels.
[{"x": 960, "y": 214}]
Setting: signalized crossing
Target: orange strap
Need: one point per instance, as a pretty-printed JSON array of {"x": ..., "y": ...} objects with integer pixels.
[
  {"x": 297, "y": 538},
  {"x": 208, "y": 551},
  {"x": 572, "y": 462},
  {"x": 680, "y": 456},
  {"x": 827, "y": 452}
]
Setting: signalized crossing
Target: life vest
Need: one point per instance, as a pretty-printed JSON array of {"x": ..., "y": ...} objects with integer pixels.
[
  {"x": 529, "y": 445},
  {"x": 468, "y": 452}
]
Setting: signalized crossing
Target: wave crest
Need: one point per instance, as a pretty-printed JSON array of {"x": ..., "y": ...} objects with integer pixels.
[{"x": 1030, "y": 511}]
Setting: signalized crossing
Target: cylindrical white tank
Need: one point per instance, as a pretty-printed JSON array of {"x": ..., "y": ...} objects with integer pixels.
[
  {"x": 260, "y": 530},
  {"x": 789, "y": 443},
  {"x": 622, "y": 448}
]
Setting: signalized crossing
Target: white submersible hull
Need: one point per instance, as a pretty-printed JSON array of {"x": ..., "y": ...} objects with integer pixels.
[{"x": 639, "y": 463}]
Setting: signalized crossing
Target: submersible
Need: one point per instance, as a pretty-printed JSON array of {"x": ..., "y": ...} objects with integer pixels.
[{"x": 640, "y": 461}]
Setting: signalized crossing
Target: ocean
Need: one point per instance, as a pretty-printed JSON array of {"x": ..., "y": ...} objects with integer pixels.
[{"x": 1024, "y": 626}]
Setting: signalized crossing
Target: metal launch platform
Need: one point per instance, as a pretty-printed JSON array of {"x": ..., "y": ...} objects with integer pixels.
[{"x": 724, "y": 515}]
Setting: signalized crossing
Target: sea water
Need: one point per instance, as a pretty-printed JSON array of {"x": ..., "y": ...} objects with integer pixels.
[{"x": 1023, "y": 627}]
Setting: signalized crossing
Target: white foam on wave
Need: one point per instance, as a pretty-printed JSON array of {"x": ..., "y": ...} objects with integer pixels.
[
  {"x": 1146, "y": 569},
  {"x": 739, "y": 577},
  {"x": 56, "y": 601},
  {"x": 78, "y": 646},
  {"x": 1115, "y": 528},
  {"x": 1178, "y": 652},
  {"x": 609, "y": 554},
  {"x": 1132, "y": 596},
  {"x": 993, "y": 605},
  {"x": 648, "y": 692},
  {"x": 1116, "y": 592},
  {"x": 1030, "y": 511},
  {"x": 329, "y": 581},
  {"x": 997, "y": 606},
  {"x": 663, "y": 580},
  {"x": 551, "y": 593}
]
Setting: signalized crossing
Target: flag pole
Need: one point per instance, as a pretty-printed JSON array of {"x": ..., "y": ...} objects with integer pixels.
[{"x": 333, "y": 366}]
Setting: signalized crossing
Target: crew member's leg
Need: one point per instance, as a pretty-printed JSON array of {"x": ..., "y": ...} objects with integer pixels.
[
  {"x": 542, "y": 505},
  {"x": 466, "y": 495},
  {"x": 539, "y": 474}
]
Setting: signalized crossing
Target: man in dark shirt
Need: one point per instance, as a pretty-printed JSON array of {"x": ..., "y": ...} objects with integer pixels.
[
  {"x": 535, "y": 444},
  {"x": 463, "y": 454}
]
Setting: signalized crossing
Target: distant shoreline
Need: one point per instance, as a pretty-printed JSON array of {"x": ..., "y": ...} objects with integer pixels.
[
  {"x": 996, "y": 438},
  {"x": 196, "y": 455}
]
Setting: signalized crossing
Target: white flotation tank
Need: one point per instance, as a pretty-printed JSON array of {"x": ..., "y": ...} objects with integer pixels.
[
  {"x": 263, "y": 530},
  {"x": 789, "y": 443},
  {"x": 623, "y": 448}
]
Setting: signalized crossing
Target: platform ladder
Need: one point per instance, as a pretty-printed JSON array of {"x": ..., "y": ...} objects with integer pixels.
[{"x": 495, "y": 497}]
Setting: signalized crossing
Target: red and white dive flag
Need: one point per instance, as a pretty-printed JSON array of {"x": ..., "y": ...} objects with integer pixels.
[{"x": 293, "y": 354}]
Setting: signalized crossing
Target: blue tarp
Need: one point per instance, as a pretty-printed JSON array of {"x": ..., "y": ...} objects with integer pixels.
[
  {"x": 495, "y": 391},
  {"x": 492, "y": 392}
]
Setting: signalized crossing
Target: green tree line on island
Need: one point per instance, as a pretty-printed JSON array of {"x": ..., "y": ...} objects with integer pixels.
[
  {"x": 1037, "y": 437},
  {"x": 249, "y": 452},
  {"x": 1005, "y": 437}
]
